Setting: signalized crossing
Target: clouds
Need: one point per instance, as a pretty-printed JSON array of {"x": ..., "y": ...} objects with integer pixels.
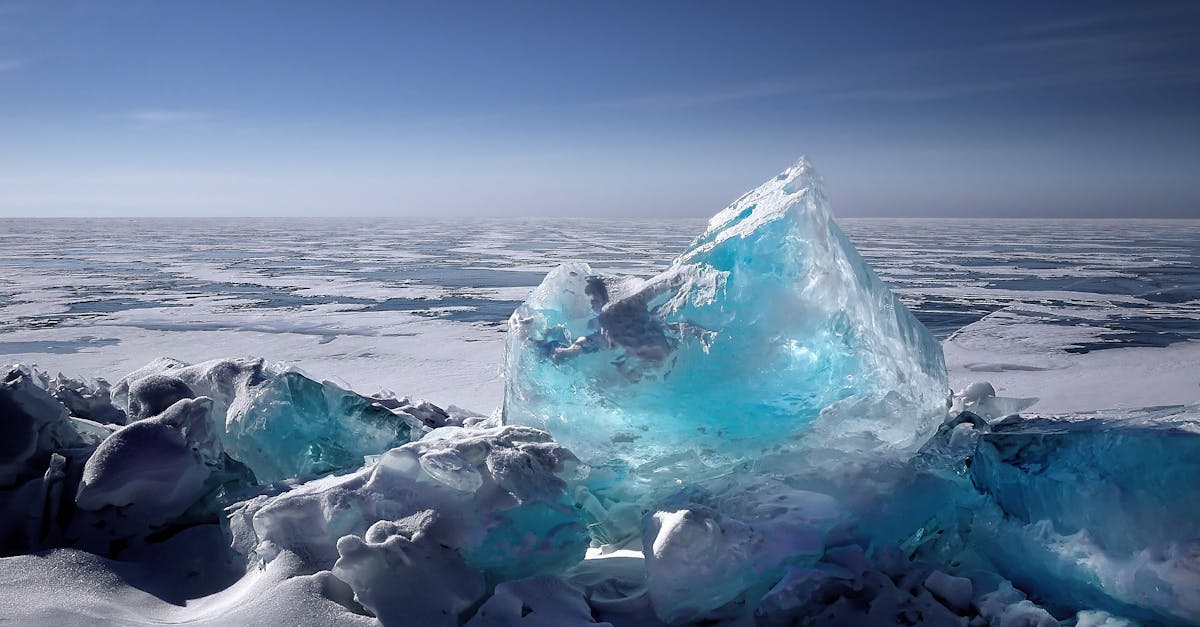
[
  {"x": 1146, "y": 46},
  {"x": 1114, "y": 50},
  {"x": 715, "y": 96},
  {"x": 670, "y": 107},
  {"x": 167, "y": 117}
]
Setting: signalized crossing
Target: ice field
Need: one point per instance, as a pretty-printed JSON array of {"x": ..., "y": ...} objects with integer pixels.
[
  {"x": 1084, "y": 314},
  {"x": 768, "y": 419}
]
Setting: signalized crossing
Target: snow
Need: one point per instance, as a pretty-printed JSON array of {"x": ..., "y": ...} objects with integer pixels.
[{"x": 1025, "y": 361}]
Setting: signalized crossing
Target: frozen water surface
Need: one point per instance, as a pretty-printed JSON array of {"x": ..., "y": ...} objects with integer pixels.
[
  {"x": 419, "y": 306},
  {"x": 246, "y": 492}
]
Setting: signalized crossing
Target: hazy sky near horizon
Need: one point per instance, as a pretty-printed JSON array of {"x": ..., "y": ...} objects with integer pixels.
[{"x": 142, "y": 107}]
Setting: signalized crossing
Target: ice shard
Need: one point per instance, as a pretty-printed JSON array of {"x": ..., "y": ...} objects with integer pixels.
[
  {"x": 293, "y": 426},
  {"x": 1100, "y": 513},
  {"x": 769, "y": 332},
  {"x": 278, "y": 422},
  {"x": 494, "y": 496}
]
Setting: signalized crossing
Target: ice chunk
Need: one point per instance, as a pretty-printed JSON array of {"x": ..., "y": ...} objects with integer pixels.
[
  {"x": 499, "y": 494},
  {"x": 121, "y": 393},
  {"x": 1097, "y": 618},
  {"x": 955, "y": 592},
  {"x": 698, "y": 559},
  {"x": 1099, "y": 513},
  {"x": 159, "y": 465},
  {"x": 278, "y": 422},
  {"x": 292, "y": 426},
  {"x": 1129, "y": 486},
  {"x": 405, "y": 575},
  {"x": 770, "y": 332},
  {"x": 980, "y": 398},
  {"x": 535, "y": 602},
  {"x": 1008, "y": 607},
  {"x": 33, "y": 425},
  {"x": 89, "y": 400}
]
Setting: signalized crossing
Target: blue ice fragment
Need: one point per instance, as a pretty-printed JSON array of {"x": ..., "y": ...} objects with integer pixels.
[
  {"x": 292, "y": 426},
  {"x": 534, "y": 538},
  {"x": 769, "y": 333},
  {"x": 1130, "y": 486},
  {"x": 1098, "y": 513}
]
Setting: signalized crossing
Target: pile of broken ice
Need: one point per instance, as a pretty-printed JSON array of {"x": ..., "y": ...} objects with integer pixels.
[{"x": 760, "y": 435}]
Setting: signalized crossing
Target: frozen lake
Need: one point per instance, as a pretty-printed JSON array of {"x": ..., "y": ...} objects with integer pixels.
[{"x": 1084, "y": 314}]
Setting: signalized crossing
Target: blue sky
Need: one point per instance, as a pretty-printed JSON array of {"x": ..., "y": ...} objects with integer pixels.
[{"x": 597, "y": 108}]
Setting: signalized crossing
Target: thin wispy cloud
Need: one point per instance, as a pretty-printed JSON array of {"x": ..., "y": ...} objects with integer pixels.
[
  {"x": 167, "y": 117},
  {"x": 1124, "y": 48},
  {"x": 1146, "y": 11},
  {"x": 1060, "y": 54},
  {"x": 736, "y": 93},
  {"x": 1106, "y": 76},
  {"x": 562, "y": 116}
]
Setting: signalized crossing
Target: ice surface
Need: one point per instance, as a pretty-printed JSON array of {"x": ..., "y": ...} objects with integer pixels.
[
  {"x": 769, "y": 332},
  {"x": 129, "y": 291}
]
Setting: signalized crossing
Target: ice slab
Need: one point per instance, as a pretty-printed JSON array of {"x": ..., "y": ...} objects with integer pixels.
[
  {"x": 496, "y": 496},
  {"x": 160, "y": 465},
  {"x": 1099, "y": 512},
  {"x": 293, "y": 426},
  {"x": 768, "y": 333},
  {"x": 33, "y": 425},
  {"x": 277, "y": 421}
]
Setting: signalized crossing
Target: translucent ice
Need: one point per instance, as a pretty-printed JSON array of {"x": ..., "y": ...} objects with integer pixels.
[
  {"x": 293, "y": 426},
  {"x": 769, "y": 332},
  {"x": 1098, "y": 513},
  {"x": 278, "y": 422}
]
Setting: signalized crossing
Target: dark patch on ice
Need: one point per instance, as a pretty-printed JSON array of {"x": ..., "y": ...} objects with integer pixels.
[
  {"x": 459, "y": 277},
  {"x": 1003, "y": 368},
  {"x": 1172, "y": 285},
  {"x": 113, "y": 305},
  {"x": 944, "y": 316},
  {"x": 56, "y": 347},
  {"x": 477, "y": 309},
  {"x": 1127, "y": 332}
]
